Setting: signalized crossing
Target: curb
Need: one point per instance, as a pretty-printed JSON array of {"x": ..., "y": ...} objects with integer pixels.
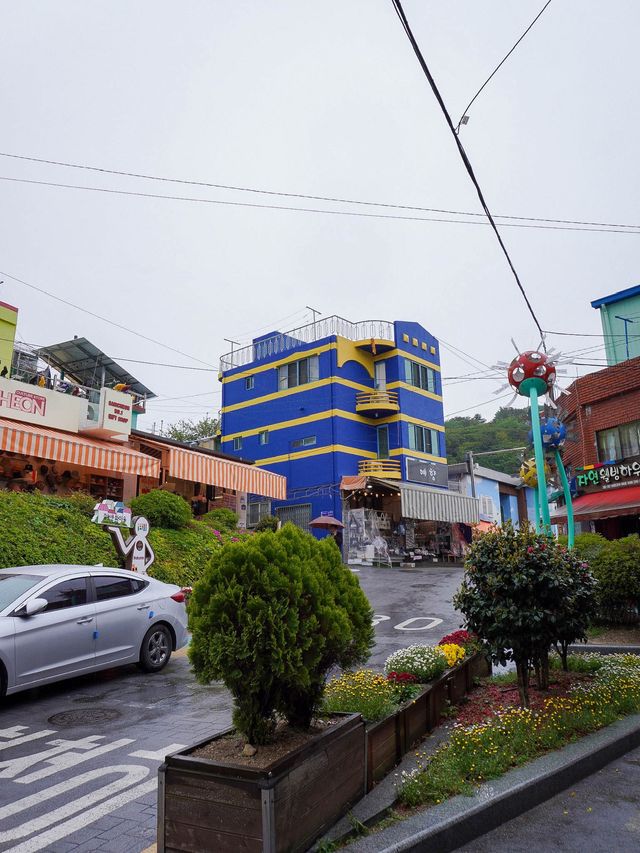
[
  {"x": 444, "y": 828},
  {"x": 603, "y": 649}
]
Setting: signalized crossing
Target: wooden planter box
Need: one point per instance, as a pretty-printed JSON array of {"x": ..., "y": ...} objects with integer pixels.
[
  {"x": 389, "y": 739},
  {"x": 204, "y": 805}
]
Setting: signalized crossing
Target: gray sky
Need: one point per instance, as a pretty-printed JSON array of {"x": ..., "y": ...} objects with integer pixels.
[{"x": 324, "y": 98}]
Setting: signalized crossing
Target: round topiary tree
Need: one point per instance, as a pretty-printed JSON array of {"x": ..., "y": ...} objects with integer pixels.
[
  {"x": 162, "y": 509},
  {"x": 522, "y": 593},
  {"x": 617, "y": 569},
  {"x": 270, "y": 616},
  {"x": 221, "y": 519}
]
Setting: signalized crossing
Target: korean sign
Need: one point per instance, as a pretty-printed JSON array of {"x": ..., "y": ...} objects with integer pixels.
[{"x": 610, "y": 476}]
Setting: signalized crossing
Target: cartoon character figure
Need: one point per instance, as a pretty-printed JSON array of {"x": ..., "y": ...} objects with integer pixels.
[{"x": 136, "y": 550}]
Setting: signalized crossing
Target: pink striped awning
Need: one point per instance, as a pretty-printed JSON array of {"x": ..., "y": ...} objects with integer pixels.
[
  {"x": 73, "y": 449},
  {"x": 225, "y": 473}
]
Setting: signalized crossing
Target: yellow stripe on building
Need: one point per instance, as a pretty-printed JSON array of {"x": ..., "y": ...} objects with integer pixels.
[
  {"x": 319, "y": 451},
  {"x": 395, "y": 352},
  {"x": 399, "y": 451},
  {"x": 392, "y": 385},
  {"x": 309, "y": 386}
]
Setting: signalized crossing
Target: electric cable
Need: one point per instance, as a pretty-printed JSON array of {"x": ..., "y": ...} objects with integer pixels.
[
  {"x": 397, "y": 5},
  {"x": 255, "y": 205},
  {"x": 308, "y": 196},
  {"x": 465, "y": 112}
]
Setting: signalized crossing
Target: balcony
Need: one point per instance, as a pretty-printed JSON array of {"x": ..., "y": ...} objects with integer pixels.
[
  {"x": 387, "y": 469},
  {"x": 376, "y": 404}
]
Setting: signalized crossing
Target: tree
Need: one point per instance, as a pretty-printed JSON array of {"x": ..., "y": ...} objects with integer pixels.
[
  {"x": 521, "y": 594},
  {"x": 509, "y": 428},
  {"x": 189, "y": 430}
]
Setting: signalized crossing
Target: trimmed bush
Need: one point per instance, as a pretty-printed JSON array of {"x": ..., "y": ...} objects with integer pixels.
[
  {"x": 269, "y": 522},
  {"x": 182, "y": 555},
  {"x": 162, "y": 509},
  {"x": 221, "y": 519},
  {"x": 270, "y": 617},
  {"x": 587, "y": 546},
  {"x": 617, "y": 569}
]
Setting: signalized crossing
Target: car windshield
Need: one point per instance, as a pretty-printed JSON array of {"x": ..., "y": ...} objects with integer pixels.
[{"x": 12, "y": 586}]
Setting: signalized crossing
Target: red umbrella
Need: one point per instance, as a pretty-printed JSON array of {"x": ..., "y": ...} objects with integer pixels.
[{"x": 326, "y": 522}]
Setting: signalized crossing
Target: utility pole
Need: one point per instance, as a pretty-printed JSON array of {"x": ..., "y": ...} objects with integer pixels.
[{"x": 469, "y": 457}]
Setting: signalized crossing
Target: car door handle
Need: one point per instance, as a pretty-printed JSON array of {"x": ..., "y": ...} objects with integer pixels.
[
  {"x": 143, "y": 606},
  {"x": 85, "y": 620}
]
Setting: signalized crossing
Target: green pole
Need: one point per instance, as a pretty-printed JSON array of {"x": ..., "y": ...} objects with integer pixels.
[
  {"x": 536, "y": 506},
  {"x": 567, "y": 500},
  {"x": 539, "y": 452}
]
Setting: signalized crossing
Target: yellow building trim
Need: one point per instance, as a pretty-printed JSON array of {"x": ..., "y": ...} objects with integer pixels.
[
  {"x": 407, "y": 387},
  {"x": 410, "y": 355},
  {"x": 349, "y": 351},
  {"x": 399, "y": 451},
  {"x": 297, "y": 390},
  {"x": 318, "y": 451},
  {"x": 296, "y": 356},
  {"x": 331, "y": 413}
]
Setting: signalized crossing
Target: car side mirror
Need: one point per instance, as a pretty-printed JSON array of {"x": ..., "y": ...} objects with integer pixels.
[{"x": 32, "y": 607}]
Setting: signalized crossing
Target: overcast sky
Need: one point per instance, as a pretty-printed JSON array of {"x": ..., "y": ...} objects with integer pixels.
[{"x": 323, "y": 97}]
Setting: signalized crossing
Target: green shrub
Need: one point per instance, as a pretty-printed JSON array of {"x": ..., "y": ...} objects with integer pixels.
[
  {"x": 221, "y": 519},
  {"x": 39, "y": 529},
  {"x": 587, "y": 546},
  {"x": 617, "y": 570},
  {"x": 270, "y": 616},
  {"x": 269, "y": 522},
  {"x": 182, "y": 555},
  {"x": 162, "y": 509}
]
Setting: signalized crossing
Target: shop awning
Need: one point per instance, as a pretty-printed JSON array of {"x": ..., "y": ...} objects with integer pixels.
[
  {"x": 604, "y": 504},
  {"x": 427, "y": 504},
  {"x": 75, "y": 449},
  {"x": 224, "y": 473}
]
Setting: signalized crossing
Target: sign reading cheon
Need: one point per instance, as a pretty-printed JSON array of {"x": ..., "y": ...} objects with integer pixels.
[{"x": 31, "y": 404}]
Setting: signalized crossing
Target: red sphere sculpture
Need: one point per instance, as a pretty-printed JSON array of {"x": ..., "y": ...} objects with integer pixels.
[{"x": 532, "y": 369}]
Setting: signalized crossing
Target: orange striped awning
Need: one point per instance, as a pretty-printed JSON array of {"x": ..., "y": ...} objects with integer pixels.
[
  {"x": 225, "y": 473},
  {"x": 75, "y": 449}
]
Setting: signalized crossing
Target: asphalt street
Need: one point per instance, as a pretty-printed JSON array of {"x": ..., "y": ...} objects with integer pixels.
[{"x": 78, "y": 759}]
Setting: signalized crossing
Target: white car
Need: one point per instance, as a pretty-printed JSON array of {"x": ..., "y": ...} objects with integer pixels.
[{"x": 62, "y": 621}]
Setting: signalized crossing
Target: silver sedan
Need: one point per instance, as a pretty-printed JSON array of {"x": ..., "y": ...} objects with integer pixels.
[{"x": 62, "y": 621}]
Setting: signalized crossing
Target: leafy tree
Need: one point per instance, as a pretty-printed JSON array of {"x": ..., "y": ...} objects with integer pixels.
[
  {"x": 270, "y": 616},
  {"x": 189, "y": 430},
  {"x": 162, "y": 509},
  {"x": 509, "y": 428},
  {"x": 617, "y": 570},
  {"x": 522, "y": 593}
]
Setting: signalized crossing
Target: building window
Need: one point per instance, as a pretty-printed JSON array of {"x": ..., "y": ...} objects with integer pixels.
[
  {"x": 308, "y": 441},
  {"x": 620, "y": 442},
  {"x": 383, "y": 442},
  {"x": 424, "y": 440},
  {"x": 256, "y": 511},
  {"x": 249, "y": 383},
  {"x": 237, "y": 443},
  {"x": 419, "y": 375},
  {"x": 298, "y": 372},
  {"x": 263, "y": 437},
  {"x": 487, "y": 508}
]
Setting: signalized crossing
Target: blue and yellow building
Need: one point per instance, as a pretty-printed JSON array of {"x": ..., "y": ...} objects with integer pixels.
[{"x": 333, "y": 400}]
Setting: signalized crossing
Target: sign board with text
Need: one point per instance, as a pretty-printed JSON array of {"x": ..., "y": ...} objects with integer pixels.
[
  {"x": 427, "y": 472},
  {"x": 31, "y": 404},
  {"x": 614, "y": 475}
]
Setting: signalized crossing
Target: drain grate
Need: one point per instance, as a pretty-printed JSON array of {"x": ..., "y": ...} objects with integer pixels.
[{"x": 84, "y": 717}]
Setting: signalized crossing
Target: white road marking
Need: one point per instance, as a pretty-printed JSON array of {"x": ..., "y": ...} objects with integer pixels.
[
  {"x": 70, "y": 759},
  {"x": 15, "y": 766},
  {"x": 16, "y": 737},
  {"x": 378, "y": 618},
  {"x": 134, "y": 774},
  {"x": 159, "y": 754},
  {"x": 404, "y": 626},
  {"x": 40, "y": 842}
]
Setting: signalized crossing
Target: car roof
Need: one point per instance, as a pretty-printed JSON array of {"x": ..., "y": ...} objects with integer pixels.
[{"x": 49, "y": 570}]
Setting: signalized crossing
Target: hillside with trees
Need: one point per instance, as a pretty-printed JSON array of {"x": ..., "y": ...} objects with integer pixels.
[{"x": 509, "y": 428}]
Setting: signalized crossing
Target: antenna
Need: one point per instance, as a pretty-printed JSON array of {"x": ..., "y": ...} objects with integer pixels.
[
  {"x": 233, "y": 343},
  {"x": 314, "y": 311}
]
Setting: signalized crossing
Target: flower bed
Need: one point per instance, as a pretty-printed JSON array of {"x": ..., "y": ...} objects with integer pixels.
[{"x": 510, "y": 736}]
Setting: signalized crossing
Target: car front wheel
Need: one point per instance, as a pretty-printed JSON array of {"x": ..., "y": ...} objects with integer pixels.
[{"x": 156, "y": 649}]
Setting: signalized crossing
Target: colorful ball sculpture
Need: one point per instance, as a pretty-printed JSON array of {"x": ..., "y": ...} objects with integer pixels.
[
  {"x": 529, "y": 472},
  {"x": 554, "y": 433},
  {"x": 529, "y": 370}
]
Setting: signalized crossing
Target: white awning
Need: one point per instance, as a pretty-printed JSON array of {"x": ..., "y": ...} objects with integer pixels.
[{"x": 427, "y": 504}]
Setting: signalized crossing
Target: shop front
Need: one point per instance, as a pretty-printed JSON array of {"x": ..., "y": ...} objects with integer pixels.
[
  {"x": 608, "y": 500},
  {"x": 57, "y": 462},
  {"x": 395, "y": 523}
]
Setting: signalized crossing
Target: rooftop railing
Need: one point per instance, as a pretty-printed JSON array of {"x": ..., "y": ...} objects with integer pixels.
[{"x": 284, "y": 342}]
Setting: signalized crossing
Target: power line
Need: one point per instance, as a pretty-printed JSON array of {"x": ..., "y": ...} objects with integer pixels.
[
  {"x": 308, "y": 196},
  {"x": 138, "y": 334},
  {"x": 477, "y": 405},
  {"x": 499, "y": 65},
  {"x": 592, "y": 334},
  {"x": 463, "y": 154},
  {"x": 255, "y": 205}
]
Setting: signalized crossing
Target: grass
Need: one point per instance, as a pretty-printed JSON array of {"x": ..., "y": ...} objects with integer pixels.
[
  {"x": 503, "y": 678},
  {"x": 516, "y": 735}
]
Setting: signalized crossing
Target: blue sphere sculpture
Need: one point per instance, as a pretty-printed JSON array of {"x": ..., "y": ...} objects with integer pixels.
[{"x": 554, "y": 433}]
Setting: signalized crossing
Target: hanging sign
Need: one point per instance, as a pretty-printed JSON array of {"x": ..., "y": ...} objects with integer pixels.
[
  {"x": 427, "y": 472},
  {"x": 614, "y": 475}
]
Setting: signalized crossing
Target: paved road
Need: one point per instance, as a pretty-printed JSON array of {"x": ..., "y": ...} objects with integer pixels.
[
  {"x": 78, "y": 759},
  {"x": 601, "y": 814}
]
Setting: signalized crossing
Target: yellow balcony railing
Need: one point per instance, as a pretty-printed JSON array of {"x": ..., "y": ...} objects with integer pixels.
[
  {"x": 389, "y": 469},
  {"x": 377, "y": 402}
]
